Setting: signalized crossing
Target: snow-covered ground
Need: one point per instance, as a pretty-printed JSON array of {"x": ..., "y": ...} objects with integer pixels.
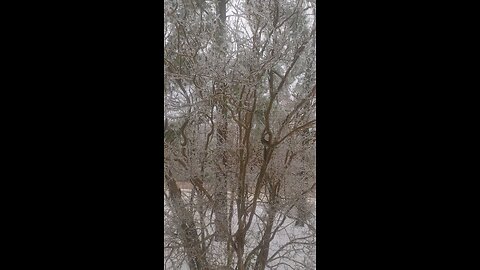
[{"x": 292, "y": 247}]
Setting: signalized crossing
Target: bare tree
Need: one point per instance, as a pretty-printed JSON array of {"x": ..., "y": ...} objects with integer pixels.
[{"x": 239, "y": 129}]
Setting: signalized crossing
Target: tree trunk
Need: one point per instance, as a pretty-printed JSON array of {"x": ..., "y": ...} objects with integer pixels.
[
  {"x": 302, "y": 211},
  {"x": 265, "y": 244},
  {"x": 302, "y": 203},
  {"x": 186, "y": 227},
  {"x": 220, "y": 205}
]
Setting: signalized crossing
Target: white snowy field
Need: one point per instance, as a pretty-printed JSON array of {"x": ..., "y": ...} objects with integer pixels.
[{"x": 293, "y": 247}]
